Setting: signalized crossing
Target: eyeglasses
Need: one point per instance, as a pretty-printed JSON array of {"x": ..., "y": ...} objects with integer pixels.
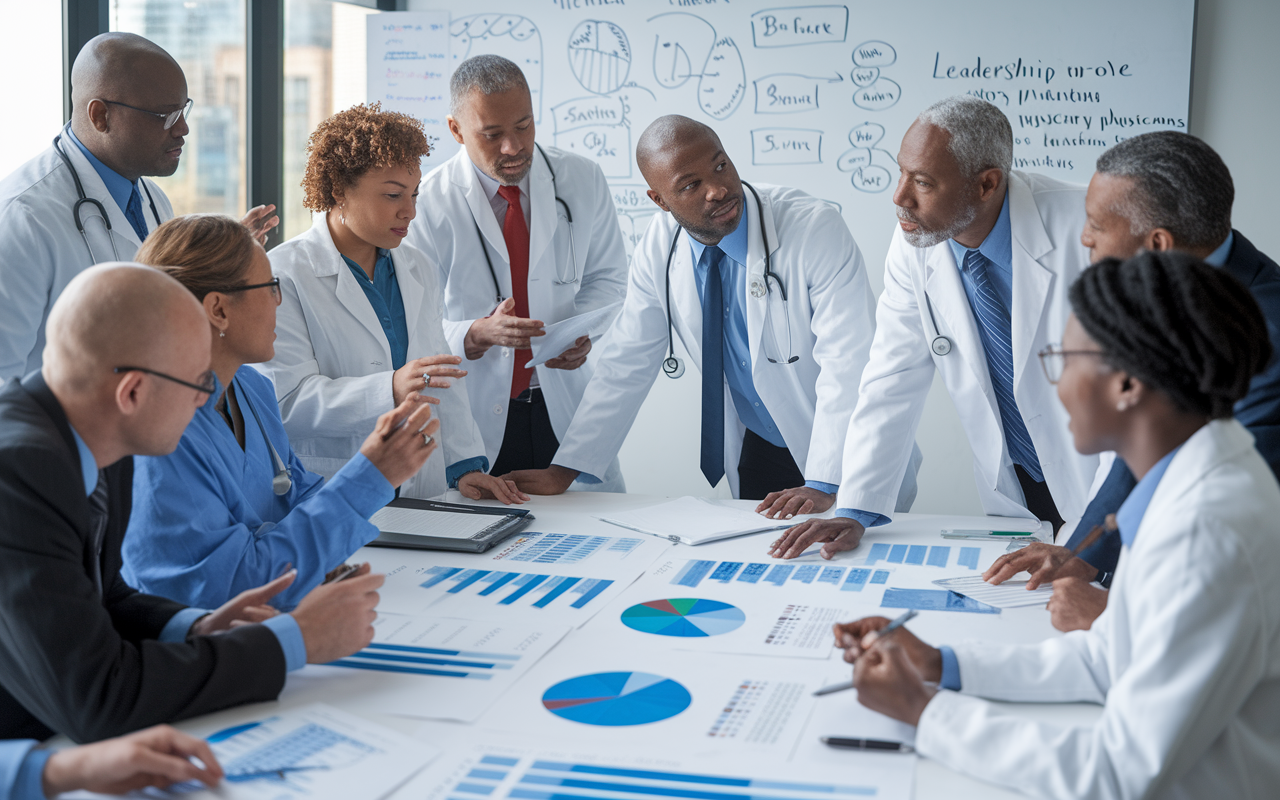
[
  {"x": 170, "y": 119},
  {"x": 1053, "y": 360},
  {"x": 274, "y": 283},
  {"x": 208, "y": 381}
]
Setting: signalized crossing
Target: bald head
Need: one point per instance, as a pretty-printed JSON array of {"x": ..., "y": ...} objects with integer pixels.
[
  {"x": 666, "y": 137},
  {"x": 119, "y": 83},
  {"x": 119, "y": 315}
]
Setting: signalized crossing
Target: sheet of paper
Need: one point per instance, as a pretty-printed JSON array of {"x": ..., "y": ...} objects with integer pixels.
[
  {"x": 694, "y": 520},
  {"x": 561, "y": 335},
  {"x": 445, "y": 524},
  {"x": 534, "y": 577},
  {"x": 1010, "y": 594},
  {"x": 310, "y": 753},
  {"x": 500, "y": 770},
  {"x": 431, "y": 667}
]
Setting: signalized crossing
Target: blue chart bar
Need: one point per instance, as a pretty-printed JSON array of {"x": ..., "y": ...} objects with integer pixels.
[
  {"x": 467, "y": 578},
  {"x": 486, "y": 774},
  {"x": 934, "y": 600},
  {"x": 938, "y": 556},
  {"x": 435, "y": 651},
  {"x": 879, "y": 552},
  {"x": 881, "y": 576},
  {"x": 693, "y": 573},
  {"x": 725, "y": 572},
  {"x": 497, "y": 580},
  {"x": 675, "y": 784},
  {"x": 778, "y": 575},
  {"x": 807, "y": 573},
  {"x": 378, "y": 666},
  {"x": 475, "y": 788},
  {"x": 916, "y": 554},
  {"x": 897, "y": 553},
  {"x": 857, "y": 580},
  {"x": 500, "y": 761},
  {"x": 752, "y": 573},
  {"x": 590, "y": 589},
  {"x": 558, "y": 589},
  {"x": 438, "y": 574},
  {"x": 831, "y": 575},
  {"x": 969, "y": 557},
  {"x": 526, "y": 584}
]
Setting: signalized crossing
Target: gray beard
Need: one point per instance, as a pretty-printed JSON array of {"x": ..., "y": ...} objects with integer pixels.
[{"x": 923, "y": 238}]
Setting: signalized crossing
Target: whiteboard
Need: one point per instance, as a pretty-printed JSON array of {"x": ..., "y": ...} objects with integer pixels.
[{"x": 818, "y": 96}]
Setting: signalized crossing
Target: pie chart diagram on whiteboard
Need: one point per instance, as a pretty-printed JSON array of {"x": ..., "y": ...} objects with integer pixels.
[
  {"x": 686, "y": 616},
  {"x": 617, "y": 698}
]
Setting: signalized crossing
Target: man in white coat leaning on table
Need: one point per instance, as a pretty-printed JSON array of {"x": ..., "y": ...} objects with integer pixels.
[
  {"x": 975, "y": 285},
  {"x": 787, "y": 345},
  {"x": 508, "y": 274}
]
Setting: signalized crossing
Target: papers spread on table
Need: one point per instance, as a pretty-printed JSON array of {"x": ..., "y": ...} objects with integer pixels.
[
  {"x": 560, "y": 336},
  {"x": 694, "y": 520},
  {"x": 536, "y": 577},
  {"x": 431, "y": 667},
  {"x": 314, "y": 752},
  {"x": 1010, "y": 594}
]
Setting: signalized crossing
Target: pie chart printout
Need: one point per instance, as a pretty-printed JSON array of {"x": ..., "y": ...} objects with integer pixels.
[
  {"x": 686, "y": 616},
  {"x": 617, "y": 698}
]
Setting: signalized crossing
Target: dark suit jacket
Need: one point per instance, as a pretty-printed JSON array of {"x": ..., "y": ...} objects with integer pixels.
[
  {"x": 1259, "y": 411},
  {"x": 75, "y": 661}
]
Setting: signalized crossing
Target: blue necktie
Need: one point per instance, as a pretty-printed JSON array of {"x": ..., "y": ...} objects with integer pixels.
[
  {"x": 995, "y": 328},
  {"x": 133, "y": 213},
  {"x": 712, "y": 462}
]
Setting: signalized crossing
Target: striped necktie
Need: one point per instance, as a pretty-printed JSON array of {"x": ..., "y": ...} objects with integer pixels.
[{"x": 995, "y": 328}]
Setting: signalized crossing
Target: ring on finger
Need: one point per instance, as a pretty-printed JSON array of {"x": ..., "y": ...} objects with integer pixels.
[{"x": 427, "y": 439}]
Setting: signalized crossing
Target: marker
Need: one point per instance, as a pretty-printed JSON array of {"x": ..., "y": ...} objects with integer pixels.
[
  {"x": 867, "y": 744},
  {"x": 883, "y": 632}
]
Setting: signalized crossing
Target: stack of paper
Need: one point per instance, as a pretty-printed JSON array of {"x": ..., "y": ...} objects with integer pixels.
[
  {"x": 694, "y": 520},
  {"x": 1010, "y": 594}
]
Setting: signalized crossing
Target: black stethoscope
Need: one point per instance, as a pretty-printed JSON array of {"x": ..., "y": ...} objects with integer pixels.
[
  {"x": 940, "y": 345},
  {"x": 83, "y": 198},
  {"x": 568, "y": 215},
  {"x": 673, "y": 367}
]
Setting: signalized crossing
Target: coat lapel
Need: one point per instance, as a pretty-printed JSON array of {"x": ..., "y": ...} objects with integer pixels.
[
  {"x": 543, "y": 216},
  {"x": 464, "y": 177},
  {"x": 758, "y": 293},
  {"x": 326, "y": 260},
  {"x": 1032, "y": 281}
]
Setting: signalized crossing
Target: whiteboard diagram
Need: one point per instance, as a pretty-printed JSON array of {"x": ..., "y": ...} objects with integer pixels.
[
  {"x": 600, "y": 56},
  {"x": 678, "y": 50},
  {"x": 506, "y": 35}
]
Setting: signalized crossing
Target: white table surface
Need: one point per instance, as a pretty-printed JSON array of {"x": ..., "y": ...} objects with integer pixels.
[{"x": 574, "y": 512}]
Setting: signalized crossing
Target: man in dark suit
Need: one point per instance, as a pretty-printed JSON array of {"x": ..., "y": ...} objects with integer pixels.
[
  {"x": 1158, "y": 191},
  {"x": 81, "y": 652}
]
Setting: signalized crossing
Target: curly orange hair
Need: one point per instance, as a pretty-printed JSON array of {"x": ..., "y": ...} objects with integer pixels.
[{"x": 350, "y": 143}]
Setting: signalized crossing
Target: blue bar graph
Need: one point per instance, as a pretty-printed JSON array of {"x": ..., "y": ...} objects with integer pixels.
[
  {"x": 438, "y": 574},
  {"x": 693, "y": 573},
  {"x": 435, "y": 651},
  {"x": 467, "y": 578},
  {"x": 562, "y": 586},
  {"x": 475, "y": 788},
  {"x": 938, "y": 556},
  {"x": 831, "y": 575},
  {"x": 486, "y": 774},
  {"x": 500, "y": 761},
  {"x": 897, "y": 553},
  {"x": 881, "y": 576},
  {"x": 916, "y": 554},
  {"x": 497, "y": 580},
  {"x": 807, "y": 573},
  {"x": 879, "y": 552},
  {"x": 590, "y": 590},
  {"x": 725, "y": 572},
  {"x": 934, "y": 600},
  {"x": 857, "y": 580},
  {"x": 969, "y": 557},
  {"x": 526, "y": 584},
  {"x": 752, "y": 573},
  {"x": 677, "y": 784},
  {"x": 779, "y": 574}
]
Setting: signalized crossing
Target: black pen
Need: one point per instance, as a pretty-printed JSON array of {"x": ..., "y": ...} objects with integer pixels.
[{"x": 867, "y": 744}]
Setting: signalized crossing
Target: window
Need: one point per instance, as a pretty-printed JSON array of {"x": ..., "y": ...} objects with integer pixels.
[
  {"x": 207, "y": 37},
  {"x": 30, "y": 46}
]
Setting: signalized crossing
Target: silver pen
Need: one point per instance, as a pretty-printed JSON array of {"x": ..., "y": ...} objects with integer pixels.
[{"x": 883, "y": 632}]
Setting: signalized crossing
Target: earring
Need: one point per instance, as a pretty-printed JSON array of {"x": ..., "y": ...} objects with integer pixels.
[
  {"x": 1123, "y": 405},
  {"x": 222, "y": 334},
  {"x": 342, "y": 214}
]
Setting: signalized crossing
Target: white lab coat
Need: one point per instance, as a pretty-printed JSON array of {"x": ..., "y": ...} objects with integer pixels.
[
  {"x": 451, "y": 203},
  {"x": 1186, "y": 657},
  {"x": 41, "y": 250},
  {"x": 1046, "y": 217},
  {"x": 332, "y": 369},
  {"x": 831, "y": 319}
]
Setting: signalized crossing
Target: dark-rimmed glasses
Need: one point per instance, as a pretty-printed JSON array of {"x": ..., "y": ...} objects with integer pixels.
[
  {"x": 1053, "y": 360},
  {"x": 207, "y": 385},
  {"x": 170, "y": 119},
  {"x": 274, "y": 283}
]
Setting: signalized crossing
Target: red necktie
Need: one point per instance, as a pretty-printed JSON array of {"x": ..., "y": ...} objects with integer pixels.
[{"x": 516, "y": 233}]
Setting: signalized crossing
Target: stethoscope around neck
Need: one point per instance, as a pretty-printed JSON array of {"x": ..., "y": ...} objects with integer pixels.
[
  {"x": 940, "y": 345},
  {"x": 672, "y": 366},
  {"x": 82, "y": 199},
  {"x": 573, "y": 249},
  {"x": 282, "y": 481}
]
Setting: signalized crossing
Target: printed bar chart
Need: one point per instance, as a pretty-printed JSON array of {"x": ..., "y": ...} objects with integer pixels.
[
  {"x": 922, "y": 555},
  {"x": 512, "y": 589}
]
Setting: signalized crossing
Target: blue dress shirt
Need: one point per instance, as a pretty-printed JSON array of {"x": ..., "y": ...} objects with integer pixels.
[
  {"x": 118, "y": 186},
  {"x": 22, "y": 770}
]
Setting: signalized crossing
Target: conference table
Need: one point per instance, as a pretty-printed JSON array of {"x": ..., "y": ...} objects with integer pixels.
[{"x": 595, "y": 642}]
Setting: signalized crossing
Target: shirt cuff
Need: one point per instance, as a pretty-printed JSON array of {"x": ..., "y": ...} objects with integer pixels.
[
  {"x": 179, "y": 625},
  {"x": 368, "y": 488},
  {"x": 829, "y": 488},
  {"x": 950, "y": 670},
  {"x": 30, "y": 781},
  {"x": 869, "y": 519},
  {"x": 455, "y": 471},
  {"x": 286, "y": 629}
]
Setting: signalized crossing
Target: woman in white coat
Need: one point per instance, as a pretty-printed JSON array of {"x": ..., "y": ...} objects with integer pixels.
[
  {"x": 359, "y": 326},
  {"x": 1186, "y": 657}
]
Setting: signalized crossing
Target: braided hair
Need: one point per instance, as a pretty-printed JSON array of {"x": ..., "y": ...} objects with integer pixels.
[{"x": 1177, "y": 324}]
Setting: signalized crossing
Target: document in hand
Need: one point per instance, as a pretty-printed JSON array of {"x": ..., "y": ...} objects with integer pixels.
[
  {"x": 561, "y": 335},
  {"x": 694, "y": 520}
]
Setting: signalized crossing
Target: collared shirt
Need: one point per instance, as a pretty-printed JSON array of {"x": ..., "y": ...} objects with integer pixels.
[
  {"x": 88, "y": 466},
  {"x": 497, "y": 202},
  {"x": 1219, "y": 257},
  {"x": 384, "y": 296},
  {"x": 737, "y": 349},
  {"x": 22, "y": 769},
  {"x": 1134, "y": 508},
  {"x": 118, "y": 186}
]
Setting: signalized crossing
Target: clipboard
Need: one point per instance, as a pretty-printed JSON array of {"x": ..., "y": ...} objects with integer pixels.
[{"x": 431, "y": 525}]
